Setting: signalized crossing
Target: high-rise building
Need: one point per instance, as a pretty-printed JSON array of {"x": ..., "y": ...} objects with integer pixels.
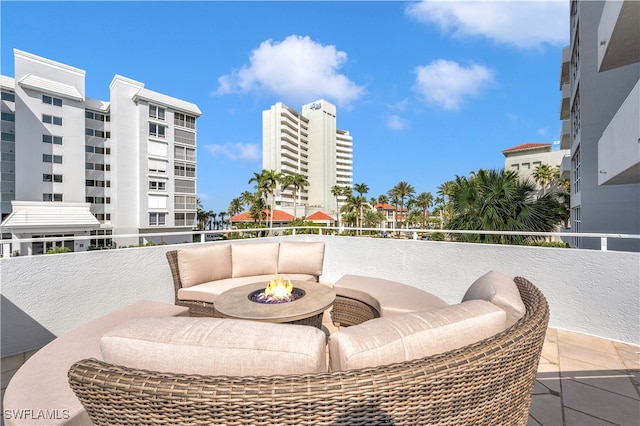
[
  {"x": 76, "y": 166},
  {"x": 600, "y": 109},
  {"x": 310, "y": 144}
]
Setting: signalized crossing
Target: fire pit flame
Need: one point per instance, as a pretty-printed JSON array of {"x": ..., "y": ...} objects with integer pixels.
[{"x": 277, "y": 291}]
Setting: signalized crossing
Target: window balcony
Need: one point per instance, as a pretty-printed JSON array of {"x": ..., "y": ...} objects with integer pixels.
[
  {"x": 565, "y": 135},
  {"x": 564, "y": 67},
  {"x": 619, "y": 145},
  {"x": 565, "y": 102},
  {"x": 565, "y": 167},
  {"x": 618, "y": 34}
]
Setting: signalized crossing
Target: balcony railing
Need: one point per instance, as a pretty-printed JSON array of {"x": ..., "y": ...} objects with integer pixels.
[{"x": 589, "y": 291}]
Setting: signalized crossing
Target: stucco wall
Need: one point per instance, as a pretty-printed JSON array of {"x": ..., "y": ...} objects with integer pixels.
[{"x": 588, "y": 291}]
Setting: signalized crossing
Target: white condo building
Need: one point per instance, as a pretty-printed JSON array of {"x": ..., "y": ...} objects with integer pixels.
[
  {"x": 76, "y": 166},
  {"x": 600, "y": 109},
  {"x": 307, "y": 143}
]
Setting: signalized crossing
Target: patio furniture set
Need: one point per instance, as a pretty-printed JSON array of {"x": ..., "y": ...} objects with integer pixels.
[{"x": 402, "y": 356}]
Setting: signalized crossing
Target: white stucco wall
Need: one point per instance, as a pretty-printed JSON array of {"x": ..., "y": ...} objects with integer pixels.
[{"x": 588, "y": 291}]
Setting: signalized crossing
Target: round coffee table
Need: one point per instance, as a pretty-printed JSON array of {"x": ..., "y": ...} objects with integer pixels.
[{"x": 308, "y": 310}]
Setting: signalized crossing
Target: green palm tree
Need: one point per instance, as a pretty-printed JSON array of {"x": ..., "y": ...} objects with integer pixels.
[
  {"x": 235, "y": 206},
  {"x": 401, "y": 191},
  {"x": 446, "y": 190},
  {"x": 424, "y": 201},
  {"x": 361, "y": 189},
  {"x": 497, "y": 200},
  {"x": 543, "y": 175},
  {"x": 297, "y": 182},
  {"x": 266, "y": 184}
]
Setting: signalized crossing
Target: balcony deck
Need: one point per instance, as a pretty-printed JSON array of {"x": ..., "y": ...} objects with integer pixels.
[{"x": 582, "y": 380}]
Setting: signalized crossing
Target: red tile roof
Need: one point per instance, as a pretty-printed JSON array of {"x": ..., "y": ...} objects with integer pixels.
[
  {"x": 278, "y": 216},
  {"x": 319, "y": 216},
  {"x": 385, "y": 206},
  {"x": 527, "y": 146}
]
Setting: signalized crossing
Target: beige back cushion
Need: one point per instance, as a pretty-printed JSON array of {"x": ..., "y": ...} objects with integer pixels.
[
  {"x": 499, "y": 289},
  {"x": 414, "y": 335},
  {"x": 254, "y": 259},
  {"x": 301, "y": 258},
  {"x": 215, "y": 346},
  {"x": 204, "y": 263}
]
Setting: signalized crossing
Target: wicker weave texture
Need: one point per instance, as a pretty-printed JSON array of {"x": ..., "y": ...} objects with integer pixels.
[
  {"x": 487, "y": 383},
  {"x": 348, "y": 311}
]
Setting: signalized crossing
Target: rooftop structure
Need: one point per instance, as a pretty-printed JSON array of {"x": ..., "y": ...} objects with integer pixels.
[
  {"x": 600, "y": 106},
  {"x": 524, "y": 158},
  {"x": 307, "y": 143},
  {"x": 123, "y": 166}
]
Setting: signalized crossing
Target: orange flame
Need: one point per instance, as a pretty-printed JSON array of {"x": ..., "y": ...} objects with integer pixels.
[{"x": 278, "y": 289}]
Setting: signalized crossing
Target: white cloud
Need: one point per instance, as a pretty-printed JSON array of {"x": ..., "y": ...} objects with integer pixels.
[
  {"x": 296, "y": 69},
  {"x": 235, "y": 151},
  {"x": 447, "y": 83},
  {"x": 524, "y": 24},
  {"x": 543, "y": 131},
  {"x": 395, "y": 122}
]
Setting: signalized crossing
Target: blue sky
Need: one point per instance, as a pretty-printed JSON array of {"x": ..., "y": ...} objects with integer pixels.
[{"x": 428, "y": 90}]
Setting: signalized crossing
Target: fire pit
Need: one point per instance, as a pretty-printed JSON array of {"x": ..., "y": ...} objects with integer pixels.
[
  {"x": 277, "y": 291},
  {"x": 310, "y": 300}
]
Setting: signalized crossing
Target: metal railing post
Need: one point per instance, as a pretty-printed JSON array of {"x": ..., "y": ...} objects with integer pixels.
[{"x": 603, "y": 243}]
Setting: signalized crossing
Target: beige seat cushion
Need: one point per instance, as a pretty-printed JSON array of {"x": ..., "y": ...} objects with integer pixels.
[
  {"x": 209, "y": 291},
  {"x": 502, "y": 291},
  {"x": 215, "y": 346},
  {"x": 254, "y": 259},
  {"x": 387, "y": 297},
  {"x": 301, "y": 257},
  {"x": 204, "y": 263},
  {"x": 414, "y": 335}
]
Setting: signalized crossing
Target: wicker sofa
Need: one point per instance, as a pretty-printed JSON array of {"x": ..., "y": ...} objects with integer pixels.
[
  {"x": 202, "y": 273},
  {"x": 486, "y": 382}
]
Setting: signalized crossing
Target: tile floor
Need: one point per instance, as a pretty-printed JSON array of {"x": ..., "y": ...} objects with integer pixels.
[{"x": 582, "y": 381}]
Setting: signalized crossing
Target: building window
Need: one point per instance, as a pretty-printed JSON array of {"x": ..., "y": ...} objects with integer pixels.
[
  {"x": 51, "y": 197},
  {"x": 8, "y": 96},
  {"x": 157, "y": 219},
  {"x": 157, "y": 166},
  {"x": 183, "y": 169},
  {"x": 526, "y": 166},
  {"x": 184, "y": 202},
  {"x": 8, "y": 116},
  {"x": 96, "y": 116},
  {"x": 51, "y": 100},
  {"x": 8, "y": 137},
  {"x": 48, "y": 158},
  {"x": 56, "y": 140},
  {"x": 51, "y": 178},
  {"x": 575, "y": 114},
  {"x": 157, "y": 185},
  {"x": 51, "y": 119},
  {"x": 184, "y": 136},
  {"x": 156, "y": 112},
  {"x": 575, "y": 166},
  {"x": 576, "y": 225},
  {"x": 97, "y": 183},
  {"x": 184, "y": 120},
  {"x": 515, "y": 167},
  {"x": 185, "y": 219},
  {"x": 98, "y": 166},
  {"x": 184, "y": 153},
  {"x": 157, "y": 130}
]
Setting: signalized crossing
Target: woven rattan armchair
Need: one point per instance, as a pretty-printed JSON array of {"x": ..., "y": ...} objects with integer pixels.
[{"x": 489, "y": 382}]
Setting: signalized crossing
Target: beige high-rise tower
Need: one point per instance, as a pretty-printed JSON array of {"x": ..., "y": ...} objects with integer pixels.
[{"x": 307, "y": 143}]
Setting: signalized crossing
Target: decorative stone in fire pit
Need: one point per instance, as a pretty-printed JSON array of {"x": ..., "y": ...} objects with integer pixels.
[{"x": 308, "y": 302}]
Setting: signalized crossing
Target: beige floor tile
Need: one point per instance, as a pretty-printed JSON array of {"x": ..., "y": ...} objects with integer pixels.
[
  {"x": 576, "y": 418},
  {"x": 585, "y": 341},
  {"x": 596, "y": 358},
  {"x": 550, "y": 352},
  {"x": 599, "y": 403},
  {"x": 546, "y": 410},
  {"x": 552, "y": 335}
]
